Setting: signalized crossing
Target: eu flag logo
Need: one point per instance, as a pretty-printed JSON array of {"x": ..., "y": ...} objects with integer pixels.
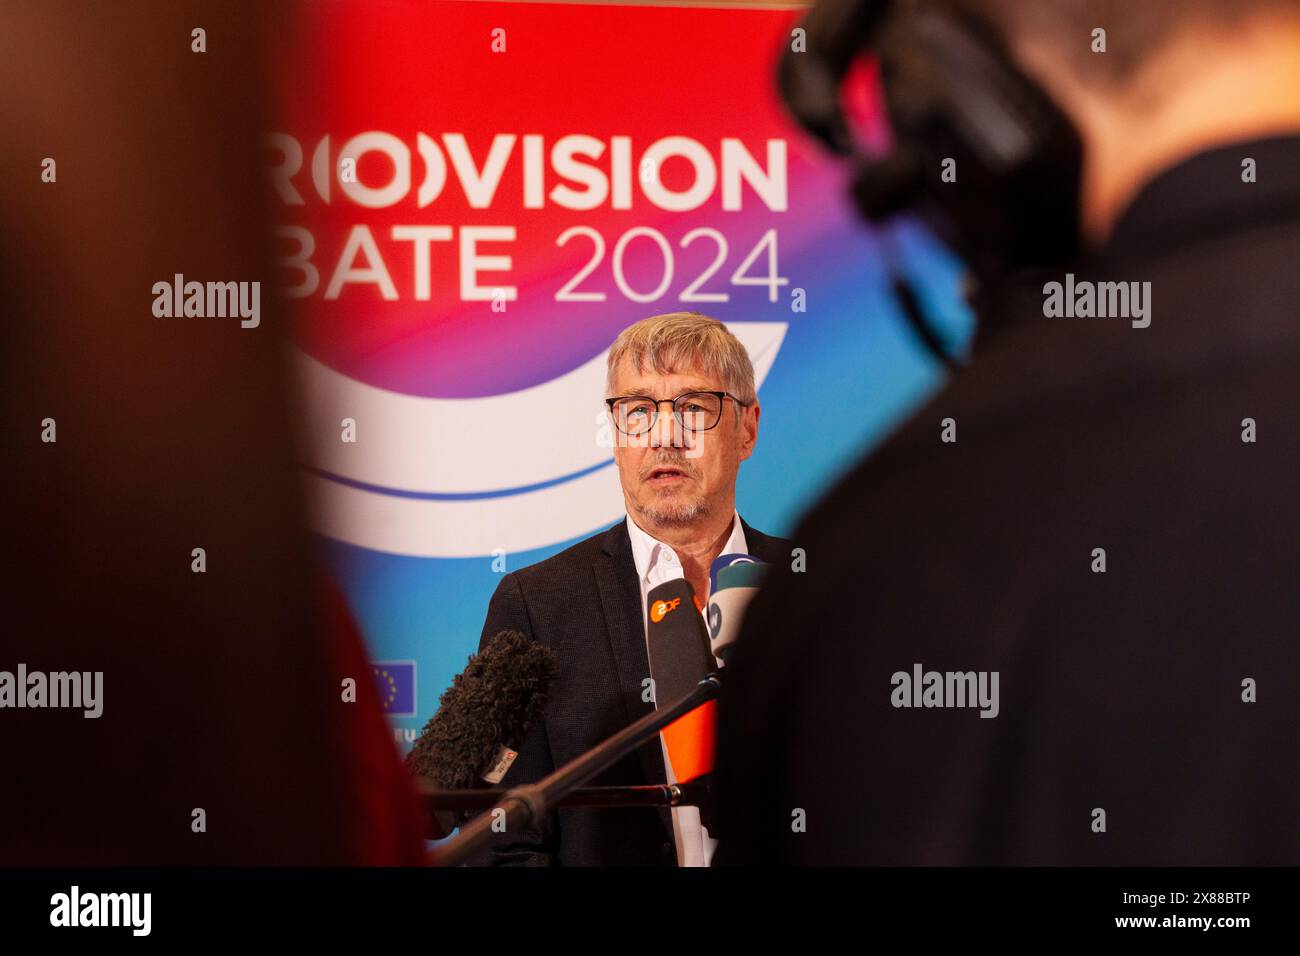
[{"x": 396, "y": 681}]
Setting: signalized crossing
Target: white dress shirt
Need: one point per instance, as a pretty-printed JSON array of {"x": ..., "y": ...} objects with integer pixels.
[{"x": 656, "y": 563}]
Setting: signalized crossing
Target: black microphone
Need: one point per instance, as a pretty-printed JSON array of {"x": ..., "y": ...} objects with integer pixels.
[
  {"x": 680, "y": 656},
  {"x": 485, "y": 715}
]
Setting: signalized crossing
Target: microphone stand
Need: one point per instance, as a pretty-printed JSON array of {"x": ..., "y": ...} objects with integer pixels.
[
  {"x": 689, "y": 794},
  {"x": 526, "y": 805}
]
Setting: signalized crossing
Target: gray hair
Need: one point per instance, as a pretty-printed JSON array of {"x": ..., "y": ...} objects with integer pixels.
[{"x": 676, "y": 341}]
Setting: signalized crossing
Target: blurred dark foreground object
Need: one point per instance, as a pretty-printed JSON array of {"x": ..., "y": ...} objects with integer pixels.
[{"x": 222, "y": 690}]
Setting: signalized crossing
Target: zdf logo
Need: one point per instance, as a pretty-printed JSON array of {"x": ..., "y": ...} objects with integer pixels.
[{"x": 660, "y": 608}]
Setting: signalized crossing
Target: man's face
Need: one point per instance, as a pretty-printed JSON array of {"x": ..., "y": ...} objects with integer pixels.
[{"x": 673, "y": 477}]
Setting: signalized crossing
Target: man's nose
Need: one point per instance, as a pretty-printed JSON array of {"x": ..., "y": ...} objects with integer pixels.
[{"x": 666, "y": 431}]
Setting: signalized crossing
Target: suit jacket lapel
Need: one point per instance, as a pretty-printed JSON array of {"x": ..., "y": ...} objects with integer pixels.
[
  {"x": 620, "y": 596},
  {"x": 764, "y": 547}
]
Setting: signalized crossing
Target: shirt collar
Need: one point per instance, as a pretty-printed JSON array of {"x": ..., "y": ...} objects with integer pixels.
[
  {"x": 648, "y": 551},
  {"x": 1204, "y": 197}
]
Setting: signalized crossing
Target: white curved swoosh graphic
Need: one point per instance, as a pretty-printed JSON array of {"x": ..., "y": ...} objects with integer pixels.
[{"x": 368, "y": 493}]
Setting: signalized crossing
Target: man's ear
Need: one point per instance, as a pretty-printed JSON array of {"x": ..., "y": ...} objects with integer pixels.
[{"x": 749, "y": 430}]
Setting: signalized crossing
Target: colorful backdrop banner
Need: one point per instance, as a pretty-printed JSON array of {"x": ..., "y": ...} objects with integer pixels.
[{"x": 474, "y": 199}]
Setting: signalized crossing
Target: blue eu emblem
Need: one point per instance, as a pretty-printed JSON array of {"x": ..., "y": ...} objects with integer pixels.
[{"x": 396, "y": 683}]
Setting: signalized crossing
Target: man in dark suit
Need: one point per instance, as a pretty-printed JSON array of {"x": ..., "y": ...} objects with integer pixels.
[
  {"x": 678, "y": 449},
  {"x": 1099, "y": 513}
]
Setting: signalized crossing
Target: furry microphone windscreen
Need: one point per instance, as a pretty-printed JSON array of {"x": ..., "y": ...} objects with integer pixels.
[{"x": 493, "y": 702}]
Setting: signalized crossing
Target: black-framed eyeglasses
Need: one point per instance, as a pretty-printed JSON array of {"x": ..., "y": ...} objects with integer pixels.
[{"x": 694, "y": 411}]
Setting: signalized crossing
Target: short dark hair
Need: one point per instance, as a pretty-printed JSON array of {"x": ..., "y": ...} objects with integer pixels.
[{"x": 1134, "y": 28}]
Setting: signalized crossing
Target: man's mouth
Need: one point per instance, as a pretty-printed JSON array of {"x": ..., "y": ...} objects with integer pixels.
[{"x": 666, "y": 474}]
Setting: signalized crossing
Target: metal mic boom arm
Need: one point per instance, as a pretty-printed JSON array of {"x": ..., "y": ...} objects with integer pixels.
[{"x": 526, "y": 805}]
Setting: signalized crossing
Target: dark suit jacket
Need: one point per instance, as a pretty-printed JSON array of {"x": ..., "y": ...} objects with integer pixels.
[
  {"x": 585, "y": 604},
  {"x": 1119, "y": 691}
]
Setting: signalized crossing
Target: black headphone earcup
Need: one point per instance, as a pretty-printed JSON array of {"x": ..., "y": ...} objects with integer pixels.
[
  {"x": 1000, "y": 162},
  {"x": 886, "y": 187},
  {"x": 809, "y": 72}
]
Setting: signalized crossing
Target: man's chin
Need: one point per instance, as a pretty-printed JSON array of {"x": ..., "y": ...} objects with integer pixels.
[{"x": 669, "y": 512}]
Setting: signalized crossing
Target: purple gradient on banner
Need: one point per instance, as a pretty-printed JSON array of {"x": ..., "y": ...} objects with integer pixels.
[{"x": 474, "y": 352}]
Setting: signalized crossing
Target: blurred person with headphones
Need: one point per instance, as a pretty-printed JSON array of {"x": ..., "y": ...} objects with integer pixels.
[{"x": 1095, "y": 520}]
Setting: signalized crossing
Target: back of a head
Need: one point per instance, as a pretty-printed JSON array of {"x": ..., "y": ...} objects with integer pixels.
[
  {"x": 1133, "y": 34},
  {"x": 1151, "y": 84}
]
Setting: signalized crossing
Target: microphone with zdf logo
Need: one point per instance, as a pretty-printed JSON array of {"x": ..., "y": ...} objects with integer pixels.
[{"x": 680, "y": 657}]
